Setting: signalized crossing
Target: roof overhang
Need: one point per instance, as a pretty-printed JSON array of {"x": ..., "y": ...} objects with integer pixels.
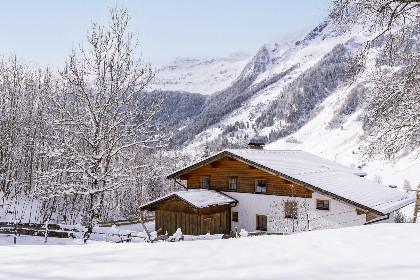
[{"x": 199, "y": 164}]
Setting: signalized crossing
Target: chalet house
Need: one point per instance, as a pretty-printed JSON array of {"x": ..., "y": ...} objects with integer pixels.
[{"x": 273, "y": 191}]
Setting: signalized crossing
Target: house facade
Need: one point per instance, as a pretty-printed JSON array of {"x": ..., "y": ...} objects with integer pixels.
[{"x": 272, "y": 191}]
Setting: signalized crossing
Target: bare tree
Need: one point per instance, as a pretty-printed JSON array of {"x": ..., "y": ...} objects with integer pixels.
[
  {"x": 406, "y": 186},
  {"x": 13, "y": 74},
  {"x": 392, "y": 124},
  {"x": 21, "y": 124},
  {"x": 101, "y": 119}
]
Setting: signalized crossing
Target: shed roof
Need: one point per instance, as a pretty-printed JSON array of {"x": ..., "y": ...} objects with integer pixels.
[
  {"x": 318, "y": 174},
  {"x": 196, "y": 198}
]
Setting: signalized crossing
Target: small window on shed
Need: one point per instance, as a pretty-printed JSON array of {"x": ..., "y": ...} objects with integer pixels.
[
  {"x": 261, "y": 222},
  {"x": 260, "y": 186},
  {"x": 233, "y": 183},
  {"x": 322, "y": 204},
  {"x": 235, "y": 216},
  {"x": 290, "y": 210},
  {"x": 205, "y": 182}
]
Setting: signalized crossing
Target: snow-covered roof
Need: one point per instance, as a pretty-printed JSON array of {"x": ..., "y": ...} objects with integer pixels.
[
  {"x": 318, "y": 174},
  {"x": 293, "y": 160},
  {"x": 196, "y": 198}
]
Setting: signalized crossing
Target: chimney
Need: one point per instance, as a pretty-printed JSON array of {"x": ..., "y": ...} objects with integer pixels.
[{"x": 256, "y": 146}]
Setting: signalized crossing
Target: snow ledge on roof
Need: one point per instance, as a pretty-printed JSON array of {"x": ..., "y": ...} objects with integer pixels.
[{"x": 197, "y": 198}]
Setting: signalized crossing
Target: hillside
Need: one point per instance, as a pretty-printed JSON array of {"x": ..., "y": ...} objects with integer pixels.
[
  {"x": 294, "y": 94},
  {"x": 336, "y": 133},
  {"x": 312, "y": 63}
]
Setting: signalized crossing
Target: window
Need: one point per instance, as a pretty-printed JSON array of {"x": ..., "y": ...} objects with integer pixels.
[
  {"x": 233, "y": 183},
  {"x": 290, "y": 209},
  {"x": 322, "y": 204},
  {"x": 235, "y": 216},
  {"x": 262, "y": 222},
  {"x": 260, "y": 186},
  {"x": 205, "y": 182}
]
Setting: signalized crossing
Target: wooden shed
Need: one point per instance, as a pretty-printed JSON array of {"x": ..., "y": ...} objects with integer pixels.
[{"x": 196, "y": 212}]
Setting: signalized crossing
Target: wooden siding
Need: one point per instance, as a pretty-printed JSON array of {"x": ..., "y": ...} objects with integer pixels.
[
  {"x": 220, "y": 170},
  {"x": 369, "y": 216},
  {"x": 176, "y": 206},
  {"x": 175, "y": 214}
]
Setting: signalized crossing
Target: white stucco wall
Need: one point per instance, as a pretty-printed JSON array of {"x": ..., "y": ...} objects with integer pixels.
[{"x": 249, "y": 205}]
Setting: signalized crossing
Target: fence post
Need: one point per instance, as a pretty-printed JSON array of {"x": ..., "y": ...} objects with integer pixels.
[
  {"x": 86, "y": 236},
  {"x": 46, "y": 232},
  {"x": 416, "y": 205},
  {"x": 15, "y": 237}
]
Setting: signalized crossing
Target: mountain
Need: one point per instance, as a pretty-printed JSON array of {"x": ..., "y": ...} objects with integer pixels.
[
  {"x": 293, "y": 94},
  {"x": 203, "y": 76},
  {"x": 280, "y": 86}
]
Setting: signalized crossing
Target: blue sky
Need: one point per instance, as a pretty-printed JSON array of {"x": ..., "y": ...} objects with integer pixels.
[{"x": 43, "y": 31}]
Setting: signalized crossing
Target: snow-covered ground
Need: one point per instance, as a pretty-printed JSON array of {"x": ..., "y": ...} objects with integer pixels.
[{"x": 383, "y": 251}]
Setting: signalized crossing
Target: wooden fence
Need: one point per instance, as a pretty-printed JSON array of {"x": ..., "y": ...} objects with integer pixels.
[
  {"x": 124, "y": 222},
  {"x": 69, "y": 231},
  {"x": 33, "y": 229},
  {"x": 15, "y": 229}
]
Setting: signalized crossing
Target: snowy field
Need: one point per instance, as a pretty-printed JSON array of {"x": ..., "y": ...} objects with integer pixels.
[{"x": 383, "y": 251}]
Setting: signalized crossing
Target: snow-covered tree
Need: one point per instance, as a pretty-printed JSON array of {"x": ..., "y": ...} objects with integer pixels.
[
  {"x": 392, "y": 124},
  {"x": 100, "y": 119},
  {"x": 22, "y": 112},
  {"x": 406, "y": 186},
  {"x": 280, "y": 224}
]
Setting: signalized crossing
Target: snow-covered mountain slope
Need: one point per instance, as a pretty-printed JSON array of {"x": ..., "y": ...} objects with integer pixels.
[
  {"x": 266, "y": 78},
  {"x": 199, "y": 75},
  {"x": 303, "y": 49},
  {"x": 295, "y": 90},
  {"x": 342, "y": 143}
]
